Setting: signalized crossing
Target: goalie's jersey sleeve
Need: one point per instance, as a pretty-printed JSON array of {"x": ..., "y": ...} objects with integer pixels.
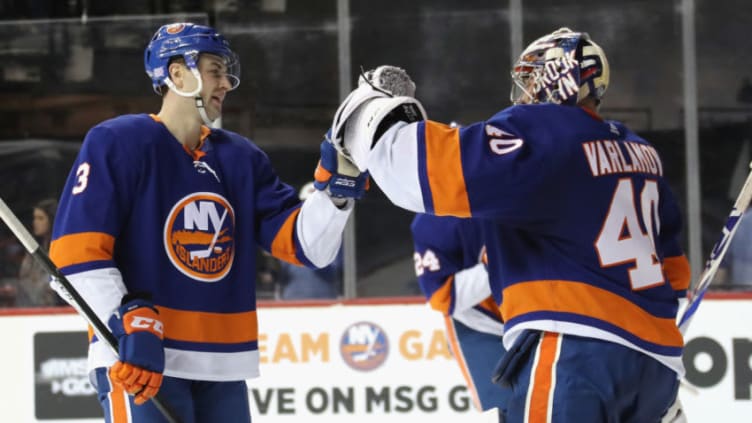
[
  {"x": 449, "y": 264},
  {"x": 581, "y": 228},
  {"x": 139, "y": 213}
]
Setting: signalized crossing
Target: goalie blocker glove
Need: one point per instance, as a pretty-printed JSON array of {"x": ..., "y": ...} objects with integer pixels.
[
  {"x": 383, "y": 98},
  {"x": 139, "y": 332}
]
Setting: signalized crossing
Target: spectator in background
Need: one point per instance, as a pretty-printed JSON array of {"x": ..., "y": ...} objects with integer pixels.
[
  {"x": 267, "y": 276},
  {"x": 11, "y": 256},
  {"x": 33, "y": 288},
  {"x": 305, "y": 283}
]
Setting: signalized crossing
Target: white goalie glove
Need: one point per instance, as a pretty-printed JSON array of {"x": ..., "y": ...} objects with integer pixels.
[
  {"x": 384, "y": 96},
  {"x": 395, "y": 81}
]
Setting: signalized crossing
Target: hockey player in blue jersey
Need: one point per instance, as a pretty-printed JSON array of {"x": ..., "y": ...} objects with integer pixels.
[
  {"x": 158, "y": 227},
  {"x": 450, "y": 265},
  {"x": 581, "y": 229}
]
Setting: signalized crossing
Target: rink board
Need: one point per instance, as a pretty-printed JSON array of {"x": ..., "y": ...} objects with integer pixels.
[{"x": 341, "y": 362}]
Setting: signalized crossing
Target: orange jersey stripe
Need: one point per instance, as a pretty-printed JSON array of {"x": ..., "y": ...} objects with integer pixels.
[
  {"x": 441, "y": 299},
  {"x": 677, "y": 271},
  {"x": 81, "y": 248},
  {"x": 542, "y": 386},
  {"x": 455, "y": 346},
  {"x": 283, "y": 246},
  {"x": 220, "y": 328},
  {"x": 586, "y": 300},
  {"x": 118, "y": 403},
  {"x": 444, "y": 169},
  {"x": 489, "y": 304}
]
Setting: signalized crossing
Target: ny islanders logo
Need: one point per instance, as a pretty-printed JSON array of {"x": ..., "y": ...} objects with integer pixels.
[
  {"x": 175, "y": 28},
  {"x": 199, "y": 236},
  {"x": 364, "y": 346}
]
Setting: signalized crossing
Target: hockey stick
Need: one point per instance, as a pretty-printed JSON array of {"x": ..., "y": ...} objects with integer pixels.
[
  {"x": 208, "y": 251},
  {"x": 72, "y": 296},
  {"x": 717, "y": 253}
]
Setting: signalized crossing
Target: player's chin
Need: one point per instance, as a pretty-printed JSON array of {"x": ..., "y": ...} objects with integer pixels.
[{"x": 214, "y": 113}]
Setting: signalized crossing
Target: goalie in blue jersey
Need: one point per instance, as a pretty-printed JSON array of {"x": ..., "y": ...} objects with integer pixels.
[{"x": 581, "y": 228}]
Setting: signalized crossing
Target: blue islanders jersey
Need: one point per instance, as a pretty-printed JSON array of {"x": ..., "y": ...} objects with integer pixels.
[
  {"x": 449, "y": 255},
  {"x": 450, "y": 264},
  {"x": 141, "y": 213},
  {"x": 581, "y": 228}
]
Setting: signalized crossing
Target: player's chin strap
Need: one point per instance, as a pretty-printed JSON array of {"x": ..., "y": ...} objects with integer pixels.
[
  {"x": 202, "y": 112},
  {"x": 196, "y": 97}
]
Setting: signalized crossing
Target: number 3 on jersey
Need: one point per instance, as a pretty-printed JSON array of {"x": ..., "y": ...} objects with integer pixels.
[
  {"x": 622, "y": 239},
  {"x": 426, "y": 261},
  {"x": 82, "y": 178}
]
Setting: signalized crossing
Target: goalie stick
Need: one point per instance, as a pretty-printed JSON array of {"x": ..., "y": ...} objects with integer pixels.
[
  {"x": 717, "y": 253},
  {"x": 72, "y": 296}
]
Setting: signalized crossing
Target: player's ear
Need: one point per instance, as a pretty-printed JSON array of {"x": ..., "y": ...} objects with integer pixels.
[{"x": 177, "y": 71}]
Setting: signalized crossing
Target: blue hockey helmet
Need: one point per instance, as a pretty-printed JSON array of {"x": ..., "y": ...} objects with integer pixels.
[
  {"x": 187, "y": 40},
  {"x": 563, "y": 67}
]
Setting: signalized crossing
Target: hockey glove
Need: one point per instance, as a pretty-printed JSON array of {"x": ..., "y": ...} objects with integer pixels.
[
  {"x": 395, "y": 81},
  {"x": 336, "y": 175},
  {"x": 509, "y": 365},
  {"x": 139, "y": 332},
  {"x": 384, "y": 96}
]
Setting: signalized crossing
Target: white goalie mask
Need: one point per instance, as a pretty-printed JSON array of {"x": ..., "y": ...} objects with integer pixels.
[{"x": 563, "y": 67}]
